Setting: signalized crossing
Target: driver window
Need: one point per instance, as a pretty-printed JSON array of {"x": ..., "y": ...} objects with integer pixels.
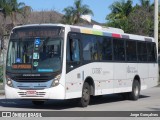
[{"x": 73, "y": 52}]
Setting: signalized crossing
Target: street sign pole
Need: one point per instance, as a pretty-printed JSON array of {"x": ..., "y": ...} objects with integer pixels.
[{"x": 156, "y": 22}]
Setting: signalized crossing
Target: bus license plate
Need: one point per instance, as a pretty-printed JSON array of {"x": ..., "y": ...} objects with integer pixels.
[{"x": 31, "y": 93}]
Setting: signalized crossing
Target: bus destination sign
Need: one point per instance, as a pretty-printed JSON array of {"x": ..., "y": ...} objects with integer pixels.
[
  {"x": 26, "y": 33},
  {"x": 21, "y": 66}
]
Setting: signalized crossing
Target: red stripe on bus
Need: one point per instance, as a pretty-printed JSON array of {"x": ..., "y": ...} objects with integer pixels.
[{"x": 116, "y": 35}]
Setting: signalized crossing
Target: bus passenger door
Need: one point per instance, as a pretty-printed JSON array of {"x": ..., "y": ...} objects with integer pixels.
[{"x": 73, "y": 73}]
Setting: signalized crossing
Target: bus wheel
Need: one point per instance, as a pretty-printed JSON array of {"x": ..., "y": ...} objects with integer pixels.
[
  {"x": 134, "y": 95},
  {"x": 38, "y": 102},
  {"x": 85, "y": 99}
]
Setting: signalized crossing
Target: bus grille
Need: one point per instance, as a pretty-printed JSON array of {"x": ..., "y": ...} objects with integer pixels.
[
  {"x": 38, "y": 94},
  {"x": 32, "y": 79}
]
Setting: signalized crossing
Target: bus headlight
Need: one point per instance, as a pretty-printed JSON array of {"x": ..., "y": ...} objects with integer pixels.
[
  {"x": 56, "y": 80},
  {"x": 9, "y": 81}
]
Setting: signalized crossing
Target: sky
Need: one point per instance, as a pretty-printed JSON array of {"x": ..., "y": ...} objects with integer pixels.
[{"x": 100, "y": 8}]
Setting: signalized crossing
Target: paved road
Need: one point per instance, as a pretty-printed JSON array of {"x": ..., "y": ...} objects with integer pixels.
[{"x": 149, "y": 101}]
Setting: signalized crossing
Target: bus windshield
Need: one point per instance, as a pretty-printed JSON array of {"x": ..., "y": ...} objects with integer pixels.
[{"x": 39, "y": 52}]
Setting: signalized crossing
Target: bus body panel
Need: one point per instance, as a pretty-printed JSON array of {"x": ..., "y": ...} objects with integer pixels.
[
  {"x": 153, "y": 75},
  {"x": 101, "y": 73},
  {"x": 132, "y": 71},
  {"x": 120, "y": 75},
  {"x": 106, "y": 83}
]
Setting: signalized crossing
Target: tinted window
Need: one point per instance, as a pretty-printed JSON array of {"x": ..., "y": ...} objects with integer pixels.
[
  {"x": 73, "y": 51},
  {"x": 142, "y": 51},
  {"x": 90, "y": 47},
  {"x": 131, "y": 52},
  {"x": 151, "y": 47},
  {"x": 119, "y": 50},
  {"x": 105, "y": 48}
]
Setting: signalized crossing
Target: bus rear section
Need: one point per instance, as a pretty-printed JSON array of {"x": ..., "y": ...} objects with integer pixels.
[{"x": 100, "y": 63}]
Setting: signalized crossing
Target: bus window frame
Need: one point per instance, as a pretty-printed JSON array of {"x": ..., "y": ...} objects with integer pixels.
[{"x": 73, "y": 64}]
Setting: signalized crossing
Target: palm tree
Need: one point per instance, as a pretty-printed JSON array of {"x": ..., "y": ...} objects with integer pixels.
[
  {"x": 16, "y": 7},
  {"x": 68, "y": 17},
  {"x": 120, "y": 10},
  {"x": 11, "y": 8},
  {"x": 73, "y": 14},
  {"x": 147, "y": 4}
]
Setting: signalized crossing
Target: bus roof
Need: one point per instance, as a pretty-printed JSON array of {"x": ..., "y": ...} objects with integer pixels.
[{"x": 110, "y": 32}]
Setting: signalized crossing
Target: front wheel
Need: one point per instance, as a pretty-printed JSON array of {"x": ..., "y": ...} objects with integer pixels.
[
  {"x": 134, "y": 95},
  {"x": 85, "y": 99}
]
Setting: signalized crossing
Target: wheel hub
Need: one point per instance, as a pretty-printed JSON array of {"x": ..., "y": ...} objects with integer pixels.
[
  {"x": 85, "y": 94},
  {"x": 136, "y": 90}
]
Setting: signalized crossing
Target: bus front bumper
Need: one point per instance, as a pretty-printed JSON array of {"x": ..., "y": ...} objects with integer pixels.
[{"x": 57, "y": 92}]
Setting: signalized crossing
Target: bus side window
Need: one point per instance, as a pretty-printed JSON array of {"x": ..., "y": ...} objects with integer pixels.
[
  {"x": 119, "y": 49},
  {"x": 151, "y": 48},
  {"x": 142, "y": 51},
  {"x": 73, "y": 51}
]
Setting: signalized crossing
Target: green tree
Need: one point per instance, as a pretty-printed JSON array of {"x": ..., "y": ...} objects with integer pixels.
[
  {"x": 4, "y": 12},
  {"x": 16, "y": 7},
  {"x": 136, "y": 19},
  {"x": 141, "y": 22},
  {"x": 4, "y": 8},
  {"x": 120, "y": 10},
  {"x": 141, "y": 19},
  {"x": 146, "y": 4},
  {"x": 11, "y": 8},
  {"x": 73, "y": 14}
]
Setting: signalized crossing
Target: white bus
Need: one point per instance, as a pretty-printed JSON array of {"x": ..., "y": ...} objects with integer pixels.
[{"x": 56, "y": 61}]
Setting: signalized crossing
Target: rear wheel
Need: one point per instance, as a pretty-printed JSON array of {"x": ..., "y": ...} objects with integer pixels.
[
  {"x": 38, "y": 103},
  {"x": 134, "y": 95},
  {"x": 85, "y": 99}
]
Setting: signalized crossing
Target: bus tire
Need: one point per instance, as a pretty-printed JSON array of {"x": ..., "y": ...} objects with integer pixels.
[
  {"x": 134, "y": 95},
  {"x": 38, "y": 103},
  {"x": 85, "y": 99}
]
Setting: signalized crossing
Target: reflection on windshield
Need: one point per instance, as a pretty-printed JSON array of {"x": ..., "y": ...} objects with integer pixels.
[{"x": 43, "y": 54}]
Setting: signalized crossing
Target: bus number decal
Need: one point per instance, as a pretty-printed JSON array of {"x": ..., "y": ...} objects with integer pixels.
[
  {"x": 96, "y": 70},
  {"x": 131, "y": 70}
]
